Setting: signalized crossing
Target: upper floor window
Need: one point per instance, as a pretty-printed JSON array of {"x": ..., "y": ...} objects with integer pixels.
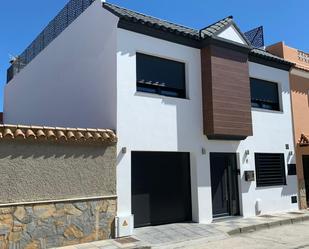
[
  {"x": 160, "y": 76},
  {"x": 264, "y": 94}
]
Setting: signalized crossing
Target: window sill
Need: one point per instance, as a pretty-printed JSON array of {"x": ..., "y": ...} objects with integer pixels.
[
  {"x": 266, "y": 110},
  {"x": 157, "y": 96}
]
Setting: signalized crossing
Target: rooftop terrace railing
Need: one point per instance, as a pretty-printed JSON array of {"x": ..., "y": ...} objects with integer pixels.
[{"x": 63, "y": 19}]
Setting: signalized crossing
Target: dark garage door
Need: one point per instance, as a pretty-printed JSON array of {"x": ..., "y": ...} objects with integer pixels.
[{"x": 161, "y": 189}]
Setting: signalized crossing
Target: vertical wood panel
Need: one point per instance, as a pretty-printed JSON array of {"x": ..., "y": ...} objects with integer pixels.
[{"x": 226, "y": 93}]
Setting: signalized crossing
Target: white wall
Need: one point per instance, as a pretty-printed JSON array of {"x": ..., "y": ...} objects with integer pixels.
[
  {"x": 149, "y": 122},
  {"x": 232, "y": 34},
  {"x": 272, "y": 130},
  {"x": 72, "y": 82}
]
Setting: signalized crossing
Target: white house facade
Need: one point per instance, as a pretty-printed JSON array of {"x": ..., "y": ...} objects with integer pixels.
[{"x": 203, "y": 119}]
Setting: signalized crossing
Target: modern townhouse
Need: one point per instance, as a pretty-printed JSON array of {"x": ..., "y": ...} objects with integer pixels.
[
  {"x": 203, "y": 119},
  {"x": 299, "y": 84}
]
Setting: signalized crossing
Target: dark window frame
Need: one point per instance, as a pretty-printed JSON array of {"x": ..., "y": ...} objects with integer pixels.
[
  {"x": 263, "y": 103},
  {"x": 161, "y": 88},
  {"x": 266, "y": 181}
]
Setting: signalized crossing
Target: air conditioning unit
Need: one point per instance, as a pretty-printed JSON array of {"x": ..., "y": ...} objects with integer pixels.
[{"x": 124, "y": 226}]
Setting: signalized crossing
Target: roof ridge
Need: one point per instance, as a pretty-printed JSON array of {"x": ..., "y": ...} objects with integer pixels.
[
  {"x": 216, "y": 27},
  {"x": 223, "y": 19},
  {"x": 146, "y": 15}
]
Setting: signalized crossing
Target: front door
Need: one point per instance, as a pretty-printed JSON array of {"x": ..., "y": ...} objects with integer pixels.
[
  {"x": 306, "y": 176},
  {"x": 224, "y": 184}
]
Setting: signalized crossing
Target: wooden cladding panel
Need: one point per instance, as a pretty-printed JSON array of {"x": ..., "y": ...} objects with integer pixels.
[{"x": 226, "y": 93}]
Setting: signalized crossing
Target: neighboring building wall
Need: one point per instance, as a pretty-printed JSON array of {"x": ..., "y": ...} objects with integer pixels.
[
  {"x": 299, "y": 83},
  {"x": 55, "y": 194},
  {"x": 300, "y": 99},
  {"x": 290, "y": 54},
  {"x": 148, "y": 122},
  {"x": 300, "y": 87},
  {"x": 72, "y": 82}
]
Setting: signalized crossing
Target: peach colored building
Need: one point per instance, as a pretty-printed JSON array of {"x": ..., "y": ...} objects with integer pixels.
[{"x": 299, "y": 80}]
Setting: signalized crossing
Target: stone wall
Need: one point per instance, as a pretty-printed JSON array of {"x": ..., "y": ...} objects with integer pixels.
[
  {"x": 56, "y": 194},
  {"x": 40, "y": 226}
]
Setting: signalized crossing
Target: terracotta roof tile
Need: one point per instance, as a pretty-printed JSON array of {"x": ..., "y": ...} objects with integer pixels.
[
  {"x": 24, "y": 132},
  {"x": 304, "y": 140}
]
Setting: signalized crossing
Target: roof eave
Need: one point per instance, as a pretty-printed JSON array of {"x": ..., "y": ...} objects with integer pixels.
[{"x": 270, "y": 61}]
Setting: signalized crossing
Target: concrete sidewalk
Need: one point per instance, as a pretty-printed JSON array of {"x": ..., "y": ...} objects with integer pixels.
[{"x": 182, "y": 235}]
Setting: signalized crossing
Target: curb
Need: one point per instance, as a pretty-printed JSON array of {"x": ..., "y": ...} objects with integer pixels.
[{"x": 268, "y": 225}]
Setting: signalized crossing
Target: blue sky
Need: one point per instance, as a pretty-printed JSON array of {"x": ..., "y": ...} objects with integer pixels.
[{"x": 21, "y": 21}]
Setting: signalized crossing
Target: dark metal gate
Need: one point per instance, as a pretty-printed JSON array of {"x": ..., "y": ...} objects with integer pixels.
[{"x": 161, "y": 189}]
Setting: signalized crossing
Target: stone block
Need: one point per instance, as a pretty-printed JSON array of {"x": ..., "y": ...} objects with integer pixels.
[
  {"x": 6, "y": 210},
  {"x": 3, "y": 242},
  {"x": 103, "y": 206},
  {"x": 20, "y": 213},
  {"x": 82, "y": 206},
  {"x": 73, "y": 232},
  {"x": 34, "y": 244},
  {"x": 44, "y": 211},
  {"x": 70, "y": 209},
  {"x": 30, "y": 227},
  {"x": 44, "y": 231},
  {"x": 14, "y": 236},
  {"x": 54, "y": 241},
  {"x": 6, "y": 220}
]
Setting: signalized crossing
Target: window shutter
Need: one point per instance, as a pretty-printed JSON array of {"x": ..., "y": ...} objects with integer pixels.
[{"x": 270, "y": 169}]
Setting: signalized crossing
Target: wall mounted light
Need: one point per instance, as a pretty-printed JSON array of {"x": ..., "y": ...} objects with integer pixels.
[
  {"x": 203, "y": 151},
  {"x": 290, "y": 153},
  {"x": 247, "y": 152},
  {"x": 124, "y": 150},
  {"x": 287, "y": 146}
]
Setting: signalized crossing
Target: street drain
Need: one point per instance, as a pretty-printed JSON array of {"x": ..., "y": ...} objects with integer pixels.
[{"x": 126, "y": 240}]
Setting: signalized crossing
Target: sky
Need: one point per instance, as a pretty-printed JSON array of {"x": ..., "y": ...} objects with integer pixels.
[{"x": 283, "y": 20}]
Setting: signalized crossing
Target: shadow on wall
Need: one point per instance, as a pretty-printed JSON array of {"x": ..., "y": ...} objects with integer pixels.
[
  {"x": 27, "y": 149},
  {"x": 290, "y": 189},
  {"x": 245, "y": 185}
]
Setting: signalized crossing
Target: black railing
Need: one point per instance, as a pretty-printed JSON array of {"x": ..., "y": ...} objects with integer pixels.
[{"x": 64, "y": 18}]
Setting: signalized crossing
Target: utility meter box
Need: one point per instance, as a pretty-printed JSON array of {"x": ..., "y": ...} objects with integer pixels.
[
  {"x": 249, "y": 175},
  {"x": 124, "y": 226}
]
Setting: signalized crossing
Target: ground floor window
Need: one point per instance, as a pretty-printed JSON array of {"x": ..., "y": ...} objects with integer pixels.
[{"x": 270, "y": 169}]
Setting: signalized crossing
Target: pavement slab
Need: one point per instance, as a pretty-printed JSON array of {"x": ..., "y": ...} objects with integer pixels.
[{"x": 193, "y": 235}]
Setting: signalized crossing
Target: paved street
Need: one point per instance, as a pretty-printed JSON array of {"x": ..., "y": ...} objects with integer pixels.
[
  {"x": 289, "y": 230},
  {"x": 294, "y": 236}
]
